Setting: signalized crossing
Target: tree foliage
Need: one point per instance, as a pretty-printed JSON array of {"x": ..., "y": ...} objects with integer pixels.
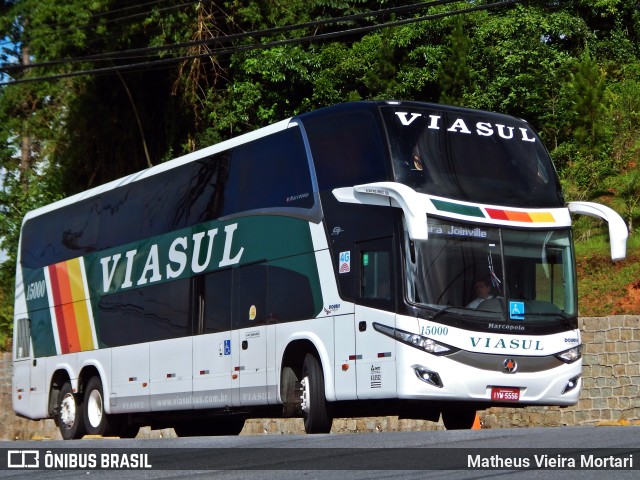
[{"x": 570, "y": 68}]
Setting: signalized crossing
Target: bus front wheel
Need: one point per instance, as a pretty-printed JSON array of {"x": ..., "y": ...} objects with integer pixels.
[
  {"x": 314, "y": 405},
  {"x": 458, "y": 417},
  {"x": 69, "y": 416}
]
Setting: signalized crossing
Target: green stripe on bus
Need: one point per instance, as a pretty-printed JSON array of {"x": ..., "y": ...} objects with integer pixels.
[{"x": 457, "y": 208}]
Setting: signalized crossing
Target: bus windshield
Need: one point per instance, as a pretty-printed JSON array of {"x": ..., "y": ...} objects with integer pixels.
[
  {"x": 499, "y": 273},
  {"x": 474, "y": 156}
]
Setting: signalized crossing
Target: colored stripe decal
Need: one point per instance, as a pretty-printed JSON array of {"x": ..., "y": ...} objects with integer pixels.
[
  {"x": 497, "y": 214},
  {"x": 468, "y": 210},
  {"x": 59, "y": 312},
  {"x": 71, "y": 308},
  {"x": 72, "y": 342},
  {"x": 494, "y": 213},
  {"x": 80, "y": 305},
  {"x": 517, "y": 216},
  {"x": 542, "y": 217}
]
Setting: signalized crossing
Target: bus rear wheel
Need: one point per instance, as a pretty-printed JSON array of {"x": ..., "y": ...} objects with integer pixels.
[
  {"x": 314, "y": 405},
  {"x": 69, "y": 417},
  {"x": 94, "y": 416},
  {"x": 96, "y": 420}
]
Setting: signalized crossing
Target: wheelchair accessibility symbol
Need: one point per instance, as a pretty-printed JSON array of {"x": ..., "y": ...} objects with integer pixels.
[
  {"x": 516, "y": 310},
  {"x": 227, "y": 347}
]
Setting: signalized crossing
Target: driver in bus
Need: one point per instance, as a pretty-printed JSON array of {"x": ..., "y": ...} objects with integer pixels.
[
  {"x": 417, "y": 160},
  {"x": 482, "y": 289}
]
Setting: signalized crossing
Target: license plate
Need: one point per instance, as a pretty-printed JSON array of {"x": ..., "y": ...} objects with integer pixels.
[{"x": 505, "y": 394}]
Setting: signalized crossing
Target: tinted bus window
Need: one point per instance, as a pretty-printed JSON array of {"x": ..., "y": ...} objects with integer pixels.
[
  {"x": 272, "y": 172},
  {"x": 205, "y": 197},
  {"x": 346, "y": 149},
  {"x": 162, "y": 203},
  {"x": 156, "y": 312},
  {"x": 62, "y": 234},
  {"x": 474, "y": 156},
  {"x": 121, "y": 214},
  {"x": 250, "y": 296},
  {"x": 290, "y": 295},
  {"x": 216, "y": 297}
]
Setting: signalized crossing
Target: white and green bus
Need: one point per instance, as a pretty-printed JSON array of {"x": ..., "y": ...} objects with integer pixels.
[{"x": 320, "y": 267}]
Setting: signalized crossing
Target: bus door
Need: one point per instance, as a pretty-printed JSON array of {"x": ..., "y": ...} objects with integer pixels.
[
  {"x": 249, "y": 335},
  {"x": 212, "y": 366},
  {"x": 375, "y": 353}
]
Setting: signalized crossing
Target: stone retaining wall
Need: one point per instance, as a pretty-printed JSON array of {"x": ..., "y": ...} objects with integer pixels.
[{"x": 610, "y": 394}]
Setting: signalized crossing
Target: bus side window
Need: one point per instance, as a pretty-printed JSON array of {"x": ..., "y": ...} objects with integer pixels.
[
  {"x": 376, "y": 277},
  {"x": 156, "y": 312},
  {"x": 250, "y": 296},
  {"x": 291, "y": 291},
  {"x": 216, "y": 297},
  {"x": 278, "y": 161},
  {"x": 23, "y": 338},
  {"x": 376, "y": 272},
  {"x": 346, "y": 149}
]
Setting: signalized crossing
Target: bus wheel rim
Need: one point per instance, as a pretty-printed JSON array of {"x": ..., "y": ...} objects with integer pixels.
[
  {"x": 94, "y": 408},
  {"x": 68, "y": 410},
  {"x": 305, "y": 405}
]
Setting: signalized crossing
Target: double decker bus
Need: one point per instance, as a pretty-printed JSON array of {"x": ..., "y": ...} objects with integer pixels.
[{"x": 369, "y": 258}]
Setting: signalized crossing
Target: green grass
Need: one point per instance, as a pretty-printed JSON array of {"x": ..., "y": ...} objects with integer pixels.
[{"x": 605, "y": 287}]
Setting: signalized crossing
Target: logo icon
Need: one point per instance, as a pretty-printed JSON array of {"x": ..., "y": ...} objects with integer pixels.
[
  {"x": 516, "y": 310},
  {"x": 345, "y": 262},
  {"x": 23, "y": 459},
  {"x": 510, "y": 365}
]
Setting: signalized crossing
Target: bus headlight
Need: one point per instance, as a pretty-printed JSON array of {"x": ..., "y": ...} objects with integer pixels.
[
  {"x": 571, "y": 355},
  {"x": 418, "y": 341}
]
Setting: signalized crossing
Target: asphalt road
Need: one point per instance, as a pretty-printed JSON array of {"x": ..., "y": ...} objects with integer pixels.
[{"x": 588, "y": 453}]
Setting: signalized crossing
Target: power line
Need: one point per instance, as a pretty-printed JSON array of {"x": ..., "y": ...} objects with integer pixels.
[
  {"x": 66, "y": 27},
  {"x": 239, "y": 36},
  {"x": 277, "y": 43}
]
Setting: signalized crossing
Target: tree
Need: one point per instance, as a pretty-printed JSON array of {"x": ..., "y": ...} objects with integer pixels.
[
  {"x": 626, "y": 195},
  {"x": 454, "y": 75}
]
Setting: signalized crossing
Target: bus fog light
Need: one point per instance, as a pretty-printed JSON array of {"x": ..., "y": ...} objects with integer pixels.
[
  {"x": 571, "y": 384},
  {"x": 427, "y": 376}
]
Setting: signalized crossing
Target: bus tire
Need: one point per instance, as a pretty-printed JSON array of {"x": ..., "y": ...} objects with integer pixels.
[
  {"x": 458, "y": 417},
  {"x": 315, "y": 408},
  {"x": 96, "y": 420},
  {"x": 69, "y": 417}
]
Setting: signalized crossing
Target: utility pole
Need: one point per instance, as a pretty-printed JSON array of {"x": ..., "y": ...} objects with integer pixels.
[{"x": 25, "y": 139}]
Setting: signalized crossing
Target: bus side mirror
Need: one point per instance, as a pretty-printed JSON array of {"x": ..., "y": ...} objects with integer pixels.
[
  {"x": 618, "y": 232},
  {"x": 391, "y": 194}
]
